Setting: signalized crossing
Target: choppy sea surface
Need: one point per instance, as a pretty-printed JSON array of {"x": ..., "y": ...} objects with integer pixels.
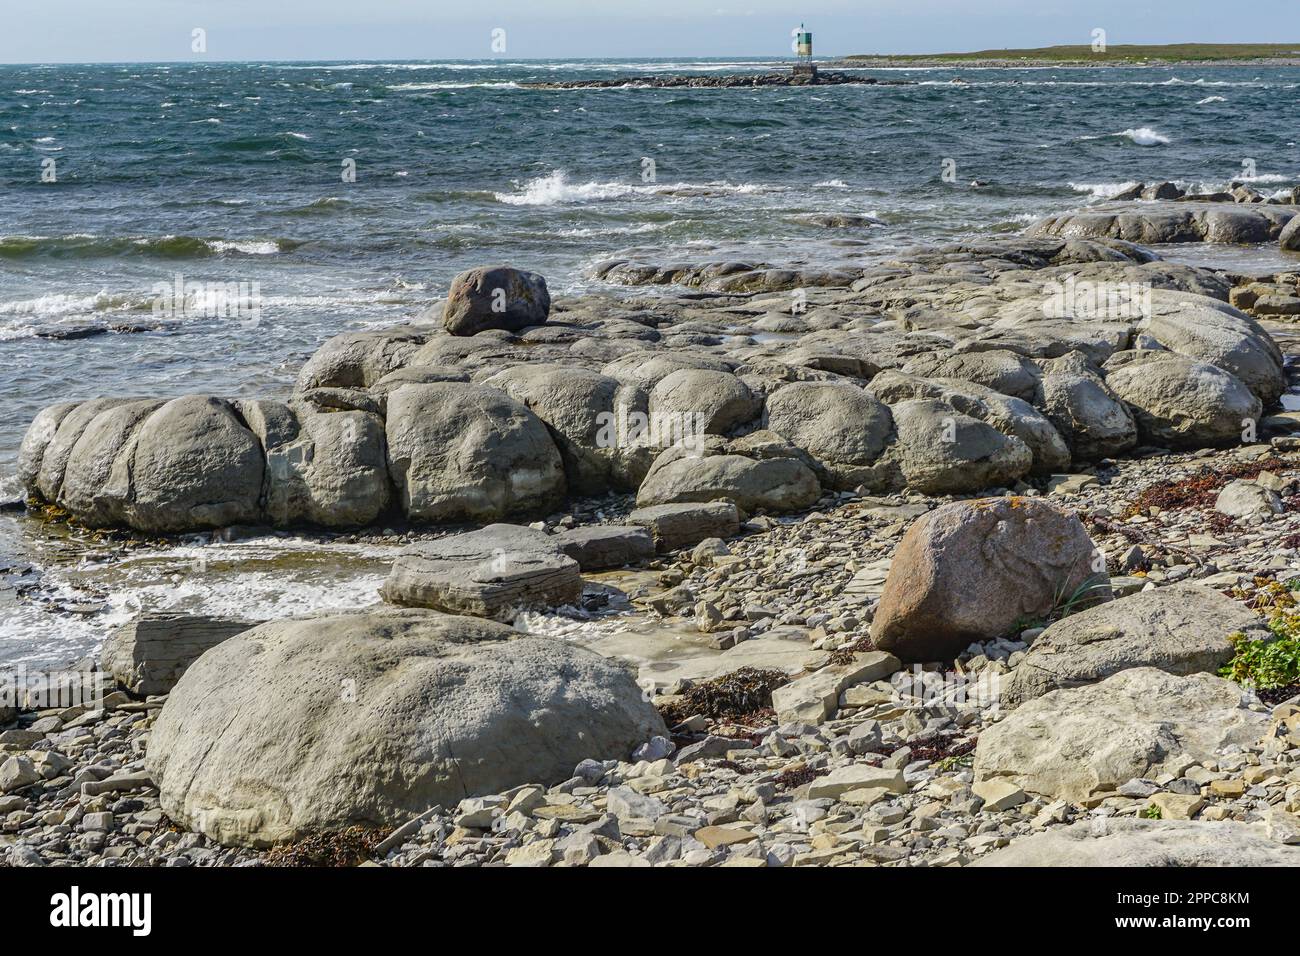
[{"x": 116, "y": 180}]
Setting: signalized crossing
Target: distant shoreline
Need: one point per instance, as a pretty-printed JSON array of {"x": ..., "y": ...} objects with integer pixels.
[
  {"x": 1164, "y": 55},
  {"x": 923, "y": 63}
]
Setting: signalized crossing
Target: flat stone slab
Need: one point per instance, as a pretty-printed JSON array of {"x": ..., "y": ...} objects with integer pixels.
[
  {"x": 494, "y": 572},
  {"x": 1181, "y": 629},
  {"x": 1116, "y": 842},
  {"x": 1139, "y": 723},
  {"x": 149, "y": 655},
  {"x": 607, "y": 546},
  {"x": 786, "y": 650},
  {"x": 685, "y": 525}
]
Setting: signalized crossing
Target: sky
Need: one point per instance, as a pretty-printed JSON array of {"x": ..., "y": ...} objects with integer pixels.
[{"x": 150, "y": 30}]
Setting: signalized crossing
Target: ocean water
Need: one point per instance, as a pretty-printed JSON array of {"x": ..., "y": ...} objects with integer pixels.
[{"x": 234, "y": 173}]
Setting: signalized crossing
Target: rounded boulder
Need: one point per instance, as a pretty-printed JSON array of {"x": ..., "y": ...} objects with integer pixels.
[{"x": 320, "y": 723}]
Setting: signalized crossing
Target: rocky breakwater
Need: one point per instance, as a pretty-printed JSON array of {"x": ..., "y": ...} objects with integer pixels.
[
  {"x": 731, "y": 81},
  {"x": 950, "y": 370}
]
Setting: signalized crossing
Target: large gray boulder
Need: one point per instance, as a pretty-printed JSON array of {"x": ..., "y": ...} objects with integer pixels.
[
  {"x": 699, "y": 473},
  {"x": 494, "y": 572},
  {"x": 702, "y": 402},
  {"x": 327, "y": 469},
  {"x": 1180, "y": 403},
  {"x": 1091, "y": 418},
  {"x": 843, "y": 427},
  {"x": 1072, "y": 743},
  {"x": 495, "y": 297},
  {"x": 1112, "y": 841},
  {"x": 1215, "y": 332},
  {"x": 1180, "y": 630},
  {"x": 360, "y": 359},
  {"x": 469, "y": 453},
  {"x": 940, "y": 451},
  {"x": 976, "y": 570},
  {"x": 195, "y": 465},
  {"x": 320, "y": 723},
  {"x": 149, "y": 655},
  {"x": 1247, "y": 499}
]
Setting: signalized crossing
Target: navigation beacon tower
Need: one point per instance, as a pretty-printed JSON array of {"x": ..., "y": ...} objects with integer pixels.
[{"x": 803, "y": 49}]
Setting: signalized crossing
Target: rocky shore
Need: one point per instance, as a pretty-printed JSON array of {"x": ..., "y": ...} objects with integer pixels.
[
  {"x": 977, "y": 556},
  {"x": 794, "y": 77}
]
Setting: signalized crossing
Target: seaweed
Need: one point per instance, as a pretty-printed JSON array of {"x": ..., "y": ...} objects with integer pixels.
[
  {"x": 337, "y": 849},
  {"x": 844, "y": 654},
  {"x": 743, "y": 695},
  {"x": 797, "y": 776},
  {"x": 1201, "y": 488}
]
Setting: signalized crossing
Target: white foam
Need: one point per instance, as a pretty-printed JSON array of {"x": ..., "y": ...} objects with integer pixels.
[
  {"x": 451, "y": 85},
  {"x": 1101, "y": 190},
  {"x": 1145, "y": 136},
  {"x": 555, "y": 188},
  {"x": 249, "y": 248}
]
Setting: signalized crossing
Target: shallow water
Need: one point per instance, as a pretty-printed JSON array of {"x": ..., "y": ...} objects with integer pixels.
[{"x": 232, "y": 173}]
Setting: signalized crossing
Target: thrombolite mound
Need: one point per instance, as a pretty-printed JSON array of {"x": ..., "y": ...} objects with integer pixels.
[
  {"x": 1138, "y": 723},
  {"x": 360, "y": 359},
  {"x": 975, "y": 570},
  {"x": 1166, "y": 222},
  {"x": 1289, "y": 237},
  {"x": 842, "y": 426},
  {"x": 584, "y": 411},
  {"x": 469, "y": 452},
  {"x": 997, "y": 369},
  {"x": 1178, "y": 629},
  {"x": 320, "y": 723},
  {"x": 1011, "y": 416},
  {"x": 1181, "y": 403},
  {"x": 446, "y": 428},
  {"x": 1216, "y": 333},
  {"x": 1086, "y": 412},
  {"x": 941, "y": 451},
  {"x": 1120, "y": 842},
  {"x": 775, "y": 478}
]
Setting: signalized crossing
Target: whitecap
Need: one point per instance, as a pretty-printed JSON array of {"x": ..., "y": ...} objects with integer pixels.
[
  {"x": 249, "y": 248},
  {"x": 1101, "y": 190},
  {"x": 555, "y": 188},
  {"x": 1145, "y": 136}
]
